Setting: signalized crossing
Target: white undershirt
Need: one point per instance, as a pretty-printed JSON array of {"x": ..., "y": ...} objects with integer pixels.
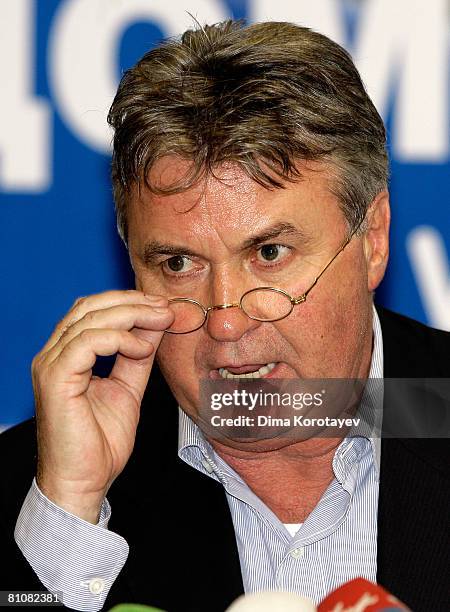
[{"x": 292, "y": 527}]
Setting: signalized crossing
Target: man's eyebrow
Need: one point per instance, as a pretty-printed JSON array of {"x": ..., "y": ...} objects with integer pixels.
[
  {"x": 274, "y": 231},
  {"x": 154, "y": 249}
]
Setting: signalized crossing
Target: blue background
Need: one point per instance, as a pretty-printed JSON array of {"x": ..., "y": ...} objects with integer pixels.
[{"x": 60, "y": 242}]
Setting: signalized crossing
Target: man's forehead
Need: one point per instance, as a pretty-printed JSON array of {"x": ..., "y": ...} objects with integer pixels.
[
  {"x": 229, "y": 201},
  {"x": 170, "y": 169},
  {"x": 228, "y": 176},
  {"x": 225, "y": 180}
]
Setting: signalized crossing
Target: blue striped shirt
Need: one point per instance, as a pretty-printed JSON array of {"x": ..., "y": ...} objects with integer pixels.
[{"x": 336, "y": 542}]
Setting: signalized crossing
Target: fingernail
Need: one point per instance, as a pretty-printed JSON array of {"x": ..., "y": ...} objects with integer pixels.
[{"x": 161, "y": 310}]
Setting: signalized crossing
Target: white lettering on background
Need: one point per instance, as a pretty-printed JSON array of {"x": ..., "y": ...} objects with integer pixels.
[
  {"x": 429, "y": 261},
  {"x": 25, "y": 134},
  {"x": 401, "y": 44},
  {"x": 83, "y": 45}
]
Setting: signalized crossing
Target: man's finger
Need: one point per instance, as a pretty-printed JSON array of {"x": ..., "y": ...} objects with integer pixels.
[
  {"x": 123, "y": 316},
  {"x": 100, "y": 301},
  {"x": 133, "y": 372},
  {"x": 73, "y": 367}
]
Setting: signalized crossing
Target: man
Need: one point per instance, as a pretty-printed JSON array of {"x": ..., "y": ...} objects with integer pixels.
[{"x": 244, "y": 157}]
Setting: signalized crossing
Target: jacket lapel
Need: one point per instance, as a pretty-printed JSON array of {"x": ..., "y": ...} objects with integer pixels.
[
  {"x": 413, "y": 499},
  {"x": 183, "y": 552}
]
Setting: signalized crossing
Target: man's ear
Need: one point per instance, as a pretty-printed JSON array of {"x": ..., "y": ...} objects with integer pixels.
[{"x": 376, "y": 239}]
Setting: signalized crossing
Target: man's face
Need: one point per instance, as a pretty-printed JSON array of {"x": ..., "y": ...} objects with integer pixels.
[{"x": 229, "y": 234}]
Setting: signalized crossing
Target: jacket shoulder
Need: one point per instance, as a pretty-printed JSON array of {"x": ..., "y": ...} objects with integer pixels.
[
  {"x": 18, "y": 461},
  {"x": 412, "y": 349},
  {"x": 18, "y": 457}
]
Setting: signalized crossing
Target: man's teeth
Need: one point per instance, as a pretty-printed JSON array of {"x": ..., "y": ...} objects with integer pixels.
[{"x": 261, "y": 372}]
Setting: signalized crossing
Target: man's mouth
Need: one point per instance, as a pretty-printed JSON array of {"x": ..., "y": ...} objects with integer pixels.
[{"x": 247, "y": 371}]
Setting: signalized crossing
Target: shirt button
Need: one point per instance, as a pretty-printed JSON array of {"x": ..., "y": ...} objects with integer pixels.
[
  {"x": 297, "y": 553},
  {"x": 96, "y": 586}
]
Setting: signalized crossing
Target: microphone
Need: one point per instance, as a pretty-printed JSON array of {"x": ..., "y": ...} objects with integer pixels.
[
  {"x": 358, "y": 595},
  {"x": 268, "y": 601},
  {"x": 361, "y": 595},
  {"x": 132, "y": 607}
]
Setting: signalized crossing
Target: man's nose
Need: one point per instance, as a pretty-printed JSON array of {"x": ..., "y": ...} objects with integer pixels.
[{"x": 229, "y": 324}]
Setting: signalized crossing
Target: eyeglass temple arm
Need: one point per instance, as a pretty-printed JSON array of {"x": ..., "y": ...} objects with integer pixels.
[{"x": 302, "y": 298}]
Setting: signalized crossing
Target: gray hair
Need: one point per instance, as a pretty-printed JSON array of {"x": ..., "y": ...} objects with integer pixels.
[{"x": 264, "y": 96}]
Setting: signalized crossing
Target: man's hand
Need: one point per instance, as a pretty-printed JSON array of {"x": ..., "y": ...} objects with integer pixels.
[{"x": 86, "y": 424}]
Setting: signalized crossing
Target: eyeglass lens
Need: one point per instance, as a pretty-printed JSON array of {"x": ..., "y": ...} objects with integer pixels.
[{"x": 260, "y": 304}]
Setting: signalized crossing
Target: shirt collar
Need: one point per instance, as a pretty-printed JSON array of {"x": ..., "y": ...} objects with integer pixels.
[
  {"x": 190, "y": 436},
  {"x": 373, "y": 395}
]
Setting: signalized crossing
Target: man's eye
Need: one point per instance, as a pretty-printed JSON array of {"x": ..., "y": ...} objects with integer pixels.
[
  {"x": 178, "y": 263},
  {"x": 272, "y": 252}
]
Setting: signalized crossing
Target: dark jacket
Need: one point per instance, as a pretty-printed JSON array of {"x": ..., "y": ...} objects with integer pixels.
[{"x": 183, "y": 553}]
